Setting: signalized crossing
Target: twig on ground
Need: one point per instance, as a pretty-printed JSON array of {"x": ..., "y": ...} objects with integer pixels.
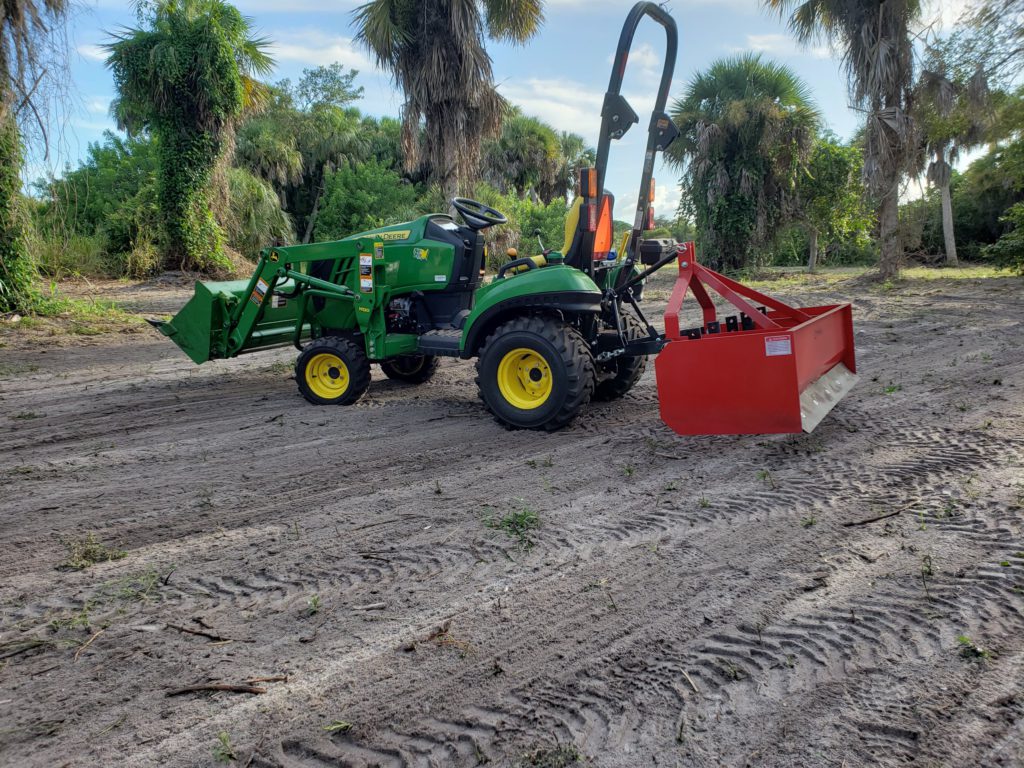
[
  {"x": 370, "y": 607},
  {"x": 228, "y": 687},
  {"x": 872, "y": 519},
  {"x": 87, "y": 643},
  {"x": 273, "y": 679},
  {"x": 21, "y": 646},
  {"x": 690, "y": 681},
  {"x": 201, "y": 633}
]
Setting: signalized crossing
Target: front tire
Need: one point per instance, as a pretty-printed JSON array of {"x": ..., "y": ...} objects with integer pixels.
[
  {"x": 332, "y": 371},
  {"x": 535, "y": 373},
  {"x": 413, "y": 369}
]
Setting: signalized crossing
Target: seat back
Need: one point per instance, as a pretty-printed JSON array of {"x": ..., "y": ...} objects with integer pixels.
[{"x": 576, "y": 225}]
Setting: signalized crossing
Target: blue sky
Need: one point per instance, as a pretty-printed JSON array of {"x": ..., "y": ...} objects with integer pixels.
[{"x": 560, "y": 76}]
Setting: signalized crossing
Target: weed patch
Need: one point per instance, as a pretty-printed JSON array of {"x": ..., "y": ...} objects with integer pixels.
[
  {"x": 88, "y": 551},
  {"x": 518, "y": 525},
  {"x": 971, "y": 650},
  {"x": 223, "y": 752},
  {"x": 561, "y": 756}
]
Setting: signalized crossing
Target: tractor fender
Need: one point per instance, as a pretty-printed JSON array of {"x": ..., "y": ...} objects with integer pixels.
[{"x": 555, "y": 289}]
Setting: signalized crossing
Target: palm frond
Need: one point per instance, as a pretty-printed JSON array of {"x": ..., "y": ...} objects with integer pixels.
[{"x": 515, "y": 21}]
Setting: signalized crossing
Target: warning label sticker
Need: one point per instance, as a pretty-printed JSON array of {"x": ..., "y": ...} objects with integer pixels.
[
  {"x": 777, "y": 345},
  {"x": 259, "y": 292},
  {"x": 366, "y": 284}
]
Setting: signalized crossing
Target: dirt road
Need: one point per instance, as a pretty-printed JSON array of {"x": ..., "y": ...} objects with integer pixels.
[{"x": 683, "y": 602}]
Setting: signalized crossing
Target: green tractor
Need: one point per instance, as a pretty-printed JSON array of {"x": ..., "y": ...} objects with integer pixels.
[{"x": 549, "y": 332}]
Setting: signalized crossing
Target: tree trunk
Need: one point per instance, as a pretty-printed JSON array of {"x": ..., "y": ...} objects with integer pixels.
[
  {"x": 812, "y": 259},
  {"x": 311, "y": 221},
  {"x": 888, "y": 233},
  {"x": 17, "y": 269},
  {"x": 947, "y": 227},
  {"x": 450, "y": 188}
]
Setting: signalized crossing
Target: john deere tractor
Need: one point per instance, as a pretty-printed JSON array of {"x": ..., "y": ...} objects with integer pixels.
[{"x": 549, "y": 332}]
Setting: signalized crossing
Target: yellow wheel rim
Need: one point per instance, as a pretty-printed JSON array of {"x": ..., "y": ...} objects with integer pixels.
[
  {"x": 524, "y": 379},
  {"x": 327, "y": 376}
]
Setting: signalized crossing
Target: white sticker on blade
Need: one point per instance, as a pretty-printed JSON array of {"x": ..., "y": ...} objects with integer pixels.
[
  {"x": 440, "y": 278},
  {"x": 777, "y": 345},
  {"x": 365, "y": 260}
]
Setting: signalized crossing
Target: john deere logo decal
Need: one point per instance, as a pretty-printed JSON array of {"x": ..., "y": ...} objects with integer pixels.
[{"x": 402, "y": 234}]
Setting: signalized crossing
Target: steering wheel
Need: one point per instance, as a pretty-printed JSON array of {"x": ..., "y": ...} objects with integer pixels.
[{"x": 476, "y": 214}]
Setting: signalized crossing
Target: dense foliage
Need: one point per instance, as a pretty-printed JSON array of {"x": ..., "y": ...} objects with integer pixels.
[
  {"x": 747, "y": 126},
  {"x": 26, "y": 26},
  {"x": 876, "y": 44},
  {"x": 985, "y": 202},
  {"x": 829, "y": 199},
  {"x": 532, "y": 159},
  {"x": 186, "y": 76},
  {"x": 362, "y": 197},
  {"x": 17, "y": 269}
]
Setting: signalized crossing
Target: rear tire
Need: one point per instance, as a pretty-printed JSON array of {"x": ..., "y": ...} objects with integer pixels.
[
  {"x": 626, "y": 371},
  {"x": 535, "y": 373},
  {"x": 413, "y": 369},
  {"x": 332, "y": 371}
]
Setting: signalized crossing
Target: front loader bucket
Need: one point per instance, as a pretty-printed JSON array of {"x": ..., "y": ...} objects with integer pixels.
[
  {"x": 198, "y": 328},
  {"x": 769, "y": 369}
]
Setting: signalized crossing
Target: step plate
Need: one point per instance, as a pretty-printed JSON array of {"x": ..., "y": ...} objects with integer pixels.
[
  {"x": 821, "y": 396},
  {"x": 443, "y": 343}
]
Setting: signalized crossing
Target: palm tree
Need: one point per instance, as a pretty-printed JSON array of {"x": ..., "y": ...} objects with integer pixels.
[
  {"x": 25, "y": 26},
  {"x": 576, "y": 154},
  {"x": 953, "y": 113},
  {"x": 874, "y": 37},
  {"x": 524, "y": 158},
  {"x": 187, "y": 77},
  {"x": 747, "y": 125},
  {"x": 435, "y": 51},
  {"x": 329, "y": 136}
]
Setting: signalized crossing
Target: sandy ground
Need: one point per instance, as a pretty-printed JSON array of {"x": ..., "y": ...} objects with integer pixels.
[{"x": 684, "y": 602}]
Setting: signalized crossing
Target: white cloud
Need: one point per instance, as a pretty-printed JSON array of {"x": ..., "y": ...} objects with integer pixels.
[
  {"x": 566, "y": 105},
  {"x": 943, "y": 14},
  {"x": 571, "y": 106},
  {"x": 776, "y": 44},
  {"x": 666, "y": 197},
  {"x": 313, "y": 48},
  {"x": 645, "y": 57},
  {"x": 93, "y": 52},
  {"x": 98, "y": 105}
]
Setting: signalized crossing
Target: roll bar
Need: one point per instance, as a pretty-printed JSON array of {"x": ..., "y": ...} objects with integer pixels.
[{"x": 617, "y": 117}]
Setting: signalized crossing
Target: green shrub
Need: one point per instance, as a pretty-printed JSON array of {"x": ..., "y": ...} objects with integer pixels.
[
  {"x": 1009, "y": 249},
  {"x": 17, "y": 268},
  {"x": 141, "y": 261},
  {"x": 363, "y": 197},
  {"x": 256, "y": 218},
  {"x": 73, "y": 256}
]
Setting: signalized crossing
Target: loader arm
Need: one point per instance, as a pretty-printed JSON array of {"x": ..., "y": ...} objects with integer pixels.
[{"x": 225, "y": 319}]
